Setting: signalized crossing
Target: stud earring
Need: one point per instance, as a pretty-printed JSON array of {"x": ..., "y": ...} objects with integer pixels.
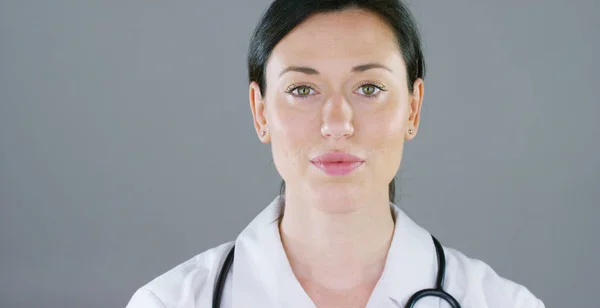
[
  {"x": 410, "y": 131},
  {"x": 263, "y": 133}
]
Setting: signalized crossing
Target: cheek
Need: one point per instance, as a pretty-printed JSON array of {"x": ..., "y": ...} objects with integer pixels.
[
  {"x": 385, "y": 133},
  {"x": 292, "y": 137}
]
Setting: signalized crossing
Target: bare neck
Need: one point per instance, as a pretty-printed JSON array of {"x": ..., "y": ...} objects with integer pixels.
[{"x": 337, "y": 251}]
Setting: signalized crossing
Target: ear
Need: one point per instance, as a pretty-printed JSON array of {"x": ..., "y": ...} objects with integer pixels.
[
  {"x": 415, "y": 103},
  {"x": 257, "y": 105}
]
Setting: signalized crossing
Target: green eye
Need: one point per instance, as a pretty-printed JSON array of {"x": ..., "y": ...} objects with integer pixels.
[
  {"x": 368, "y": 89},
  {"x": 303, "y": 90}
]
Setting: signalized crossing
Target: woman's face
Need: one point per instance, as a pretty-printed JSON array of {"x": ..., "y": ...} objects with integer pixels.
[{"x": 337, "y": 84}]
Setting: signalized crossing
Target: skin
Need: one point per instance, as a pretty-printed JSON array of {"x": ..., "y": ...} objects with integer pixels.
[{"x": 336, "y": 230}]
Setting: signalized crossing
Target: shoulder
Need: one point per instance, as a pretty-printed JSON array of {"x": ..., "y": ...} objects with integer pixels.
[
  {"x": 183, "y": 285},
  {"x": 476, "y": 284}
]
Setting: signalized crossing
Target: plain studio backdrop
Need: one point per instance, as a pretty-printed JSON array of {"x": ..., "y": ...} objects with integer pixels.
[{"x": 127, "y": 145}]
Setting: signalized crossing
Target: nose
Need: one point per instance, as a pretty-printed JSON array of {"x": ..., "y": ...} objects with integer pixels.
[{"x": 337, "y": 118}]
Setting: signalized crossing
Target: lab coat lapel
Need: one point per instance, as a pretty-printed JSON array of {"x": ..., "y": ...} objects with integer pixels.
[
  {"x": 411, "y": 264},
  {"x": 262, "y": 276}
]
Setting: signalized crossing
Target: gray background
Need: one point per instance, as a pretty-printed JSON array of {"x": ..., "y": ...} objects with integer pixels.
[{"x": 127, "y": 146}]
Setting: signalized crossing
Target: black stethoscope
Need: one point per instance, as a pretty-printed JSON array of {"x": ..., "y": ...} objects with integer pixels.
[{"x": 437, "y": 291}]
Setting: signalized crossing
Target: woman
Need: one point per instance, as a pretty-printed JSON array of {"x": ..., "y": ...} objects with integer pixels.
[{"x": 336, "y": 88}]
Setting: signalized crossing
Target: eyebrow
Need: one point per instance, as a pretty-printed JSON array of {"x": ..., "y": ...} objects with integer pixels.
[
  {"x": 368, "y": 66},
  {"x": 311, "y": 71},
  {"x": 301, "y": 69}
]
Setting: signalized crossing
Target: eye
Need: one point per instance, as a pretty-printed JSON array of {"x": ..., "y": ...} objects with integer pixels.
[
  {"x": 369, "y": 89},
  {"x": 301, "y": 91}
]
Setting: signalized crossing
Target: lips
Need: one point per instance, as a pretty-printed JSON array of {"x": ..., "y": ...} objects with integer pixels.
[{"x": 337, "y": 163}]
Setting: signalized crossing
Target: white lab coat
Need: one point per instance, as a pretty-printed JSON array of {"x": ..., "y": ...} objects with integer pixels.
[{"x": 262, "y": 277}]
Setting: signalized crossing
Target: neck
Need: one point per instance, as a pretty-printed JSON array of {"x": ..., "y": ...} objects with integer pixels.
[{"x": 336, "y": 250}]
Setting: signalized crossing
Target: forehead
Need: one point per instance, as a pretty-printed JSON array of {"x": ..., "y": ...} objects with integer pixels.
[{"x": 349, "y": 36}]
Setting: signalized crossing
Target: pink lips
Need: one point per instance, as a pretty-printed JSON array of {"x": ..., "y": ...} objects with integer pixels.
[{"x": 337, "y": 163}]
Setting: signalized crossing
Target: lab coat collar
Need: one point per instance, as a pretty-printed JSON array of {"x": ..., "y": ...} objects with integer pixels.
[
  {"x": 262, "y": 275},
  {"x": 411, "y": 264}
]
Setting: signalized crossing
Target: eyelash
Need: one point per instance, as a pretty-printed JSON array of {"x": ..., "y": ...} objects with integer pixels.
[{"x": 377, "y": 85}]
